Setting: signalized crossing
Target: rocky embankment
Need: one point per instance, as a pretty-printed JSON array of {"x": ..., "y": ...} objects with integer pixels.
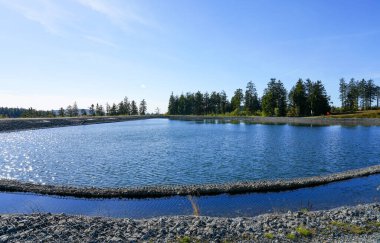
[
  {"x": 17, "y": 124},
  {"x": 198, "y": 190},
  {"x": 345, "y": 224}
]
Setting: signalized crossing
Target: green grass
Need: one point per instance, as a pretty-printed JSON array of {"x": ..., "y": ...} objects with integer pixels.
[
  {"x": 269, "y": 235},
  {"x": 359, "y": 114},
  {"x": 304, "y": 210},
  {"x": 350, "y": 228},
  {"x": 185, "y": 239},
  {"x": 303, "y": 231},
  {"x": 291, "y": 236},
  {"x": 374, "y": 224}
]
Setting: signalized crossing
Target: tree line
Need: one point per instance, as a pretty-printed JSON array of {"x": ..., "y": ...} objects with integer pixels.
[
  {"x": 6, "y": 112},
  {"x": 358, "y": 94},
  {"x": 306, "y": 98},
  {"x": 124, "y": 107}
]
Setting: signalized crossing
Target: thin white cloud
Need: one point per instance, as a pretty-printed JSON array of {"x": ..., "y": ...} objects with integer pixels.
[
  {"x": 100, "y": 41},
  {"x": 60, "y": 17},
  {"x": 117, "y": 14},
  {"x": 44, "y": 12},
  {"x": 143, "y": 86}
]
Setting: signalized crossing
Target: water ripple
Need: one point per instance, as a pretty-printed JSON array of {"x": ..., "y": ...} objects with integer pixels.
[{"x": 160, "y": 151}]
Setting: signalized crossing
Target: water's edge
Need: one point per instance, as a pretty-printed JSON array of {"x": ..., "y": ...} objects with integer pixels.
[
  {"x": 17, "y": 124},
  {"x": 183, "y": 190}
]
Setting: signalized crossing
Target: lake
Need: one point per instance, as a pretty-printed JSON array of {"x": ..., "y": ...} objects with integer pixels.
[{"x": 165, "y": 152}]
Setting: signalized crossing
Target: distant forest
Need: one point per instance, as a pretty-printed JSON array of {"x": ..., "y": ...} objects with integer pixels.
[
  {"x": 306, "y": 98},
  {"x": 124, "y": 107}
]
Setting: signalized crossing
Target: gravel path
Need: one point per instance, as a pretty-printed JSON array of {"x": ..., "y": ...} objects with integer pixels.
[{"x": 345, "y": 224}]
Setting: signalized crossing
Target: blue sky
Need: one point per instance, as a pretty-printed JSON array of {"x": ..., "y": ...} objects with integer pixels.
[{"x": 55, "y": 52}]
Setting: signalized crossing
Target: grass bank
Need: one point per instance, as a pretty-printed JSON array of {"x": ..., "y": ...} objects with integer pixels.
[{"x": 358, "y": 114}]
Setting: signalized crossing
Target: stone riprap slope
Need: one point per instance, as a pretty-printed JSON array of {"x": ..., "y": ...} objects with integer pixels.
[
  {"x": 345, "y": 224},
  {"x": 17, "y": 124},
  {"x": 199, "y": 190}
]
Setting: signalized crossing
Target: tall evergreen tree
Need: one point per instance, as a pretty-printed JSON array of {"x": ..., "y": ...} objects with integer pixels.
[
  {"x": 173, "y": 105},
  {"x": 343, "y": 88},
  {"x": 198, "y": 103},
  {"x": 113, "y": 110},
  {"x": 318, "y": 100},
  {"x": 206, "y": 103},
  {"x": 75, "y": 109},
  {"x": 121, "y": 108},
  {"x": 298, "y": 99},
  {"x": 370, "y": 93},
  {"x": 99, "y": 111},
  {"x": 274, "y": 99},
  {"x": 134, "y": 110},
  {"x": 189, "y": 104},
  {"x": 237, "y": 100},
  {"x": 69, "y": 111},
  {"x": 127, "y": 106},
  {"x": 143, "y": 107},
  {"x": 215, "y": 103},
  {"x": 182, "y": 105},
  {"x": 224, "y": 104},
  {"x": 251, "y": 101},
  {"x": 92, "y": 110},
  {"x": 352, "y": 95}
]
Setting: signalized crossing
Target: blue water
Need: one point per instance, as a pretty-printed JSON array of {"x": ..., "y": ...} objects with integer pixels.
[
  {"x": 351, "y": 192},
  {"x": 162, "y": 151}
]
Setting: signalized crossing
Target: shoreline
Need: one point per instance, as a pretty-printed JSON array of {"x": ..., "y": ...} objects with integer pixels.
[
  {"x": 184, "y": 190},
  {"x": 359, "y": 223},
  {"x": 321, "y": 121},
  {"x": 20, "y": 124}
]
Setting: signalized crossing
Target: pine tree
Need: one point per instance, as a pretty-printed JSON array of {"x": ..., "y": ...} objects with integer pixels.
[
  {"x": 251, "y": 101},
  {"x": 92, "y": 110},
  {"x": 127, "y": 106},
  {"x": 173, "y": 106},
  {"x": 237, "y": 99},
  {"x": 298, "y": 99},
  {"x": 198, "y": 103},
  {"x": 274, "y": 101},
  {"x": 343, "y": 88},
  {"x": 69, "y": 111},
  {"x": 142, "y": 108},
  {"x": 75, "y": 110},
  {"x": 134, "y": 110}
]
